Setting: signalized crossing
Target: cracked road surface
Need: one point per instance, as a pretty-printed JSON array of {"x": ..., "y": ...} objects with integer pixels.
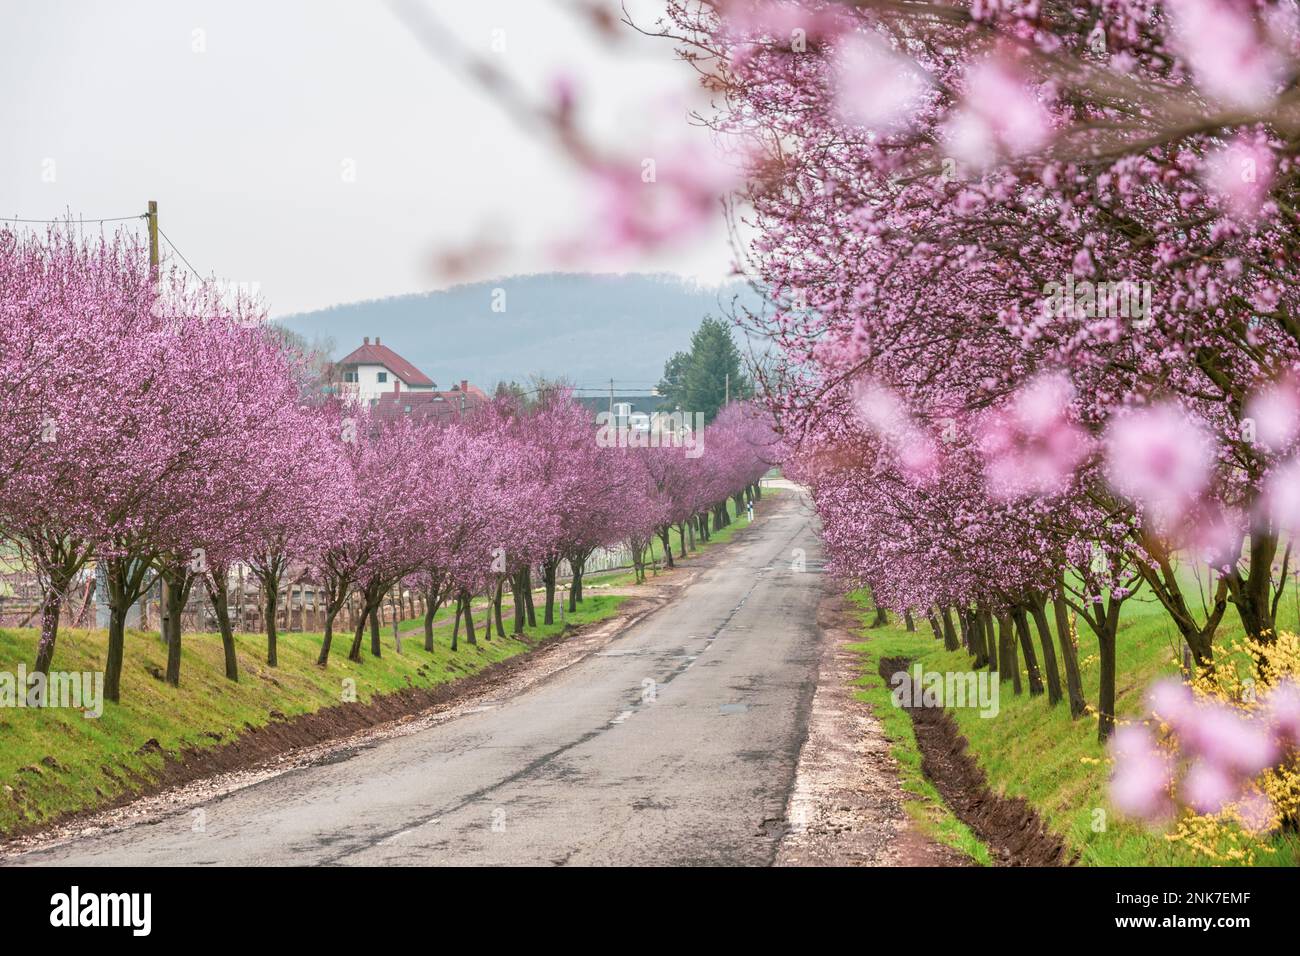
[{"x": 675, "y": 744}]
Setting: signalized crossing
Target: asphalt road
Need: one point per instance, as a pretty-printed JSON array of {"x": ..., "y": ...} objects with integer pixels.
[{"x": 675, "y": 744}]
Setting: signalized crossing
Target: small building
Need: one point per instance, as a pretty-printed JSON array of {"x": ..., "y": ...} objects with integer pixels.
[
  {"x": 372, "y": 371},
  {"x": 629, "y": 411},
  {"x": 431, "y": 405}
]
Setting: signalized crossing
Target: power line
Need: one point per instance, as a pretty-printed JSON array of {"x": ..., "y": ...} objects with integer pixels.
[
  {"x": 108, "y": 219},
  {"x": 179, "y": 253}
]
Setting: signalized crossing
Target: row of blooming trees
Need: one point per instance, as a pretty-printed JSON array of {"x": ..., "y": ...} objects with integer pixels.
[
  {"x": 163, "y": 432},
  {"x": 1033, "y": 273}
]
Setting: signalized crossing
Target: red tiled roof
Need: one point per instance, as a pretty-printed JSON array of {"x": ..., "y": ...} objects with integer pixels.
[
  {"x": 424, "y": 406},
  {"x": 376, "y": 354}
]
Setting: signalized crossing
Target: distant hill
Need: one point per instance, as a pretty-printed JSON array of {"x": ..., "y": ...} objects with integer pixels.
[{"x": 585, "y": 327}]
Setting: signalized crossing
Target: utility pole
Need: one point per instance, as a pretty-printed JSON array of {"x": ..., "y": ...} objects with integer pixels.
[
  {"x": 155, "y": 276},
  {"x": 611, "y": 398},
  {"x": 152, "y": 216}
]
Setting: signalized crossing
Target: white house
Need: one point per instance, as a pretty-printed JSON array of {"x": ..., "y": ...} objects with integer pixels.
[{"x": 374, "y": 370}]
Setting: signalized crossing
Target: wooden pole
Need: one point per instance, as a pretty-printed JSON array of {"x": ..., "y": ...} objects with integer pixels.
[{"x": 154, "y": 274}]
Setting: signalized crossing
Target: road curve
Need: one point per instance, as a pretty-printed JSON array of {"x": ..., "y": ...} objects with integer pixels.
[{"x": 675, "y": 744}]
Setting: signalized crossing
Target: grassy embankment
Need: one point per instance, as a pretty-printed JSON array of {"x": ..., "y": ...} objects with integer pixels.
[
  {"x": 53, "y": 760},
  {"x": 1037, "y": 752},
  {"x": 56, "y": 760}
]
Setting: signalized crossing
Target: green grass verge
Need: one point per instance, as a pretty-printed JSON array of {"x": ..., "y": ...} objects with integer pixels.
[
  {"x": 924, "y": 804},
  {"x": 1037, "y": 752},
  {"x": 55, "y": 760}
]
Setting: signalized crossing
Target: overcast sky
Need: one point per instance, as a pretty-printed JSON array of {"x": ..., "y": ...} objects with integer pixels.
[{"x": 242, "y": 119}]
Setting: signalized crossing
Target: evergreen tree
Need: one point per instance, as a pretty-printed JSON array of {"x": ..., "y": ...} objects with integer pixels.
[{"x": 699, "y": 380}]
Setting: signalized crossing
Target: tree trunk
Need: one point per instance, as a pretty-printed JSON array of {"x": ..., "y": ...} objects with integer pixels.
[
  {"x": 370, "y": 597},
  {"x": 664, "y": 533},
  {"x": 1070, "y": 656},
  {"x": 517, "y": 595},
  {"x": 1251, "y": 593},
  {"x": 470, "y": 637},
  {"x": 431, "y": 603},
  {"x": 496, "y": 606},
  {"x": 1009, "y": 668},
  {"x": 1050, "y": 670},
  {"x": 51, "y": 608},
  {"x": 990, "y": 639},
  {"x": 528, "y": 596},
  {"x": 548, "y": 577},
  {"x": 218, "y": 594},
  {"x": 975, "y": 629},
  {"x": 455, "y": 624},
  {"x": 272, "y": 612},
  {"x": 933, "y": 618},
  {"x": 950, "y": 642},
  {"x": 328, "y": 639},
  {"x": 1027, "y": 646},
  {"x": 116, "y": 648},
  {"x": 177, "y": 592},
  {"x": 1106, "y": 691},
  {"x": 908, "y": 622}
]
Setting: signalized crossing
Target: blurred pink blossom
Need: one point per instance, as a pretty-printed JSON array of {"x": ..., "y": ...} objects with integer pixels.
[
  {"x": 1282, "y": 710},
  {"x": 876, "y": 88},
  {"x": 1275, "y": 412},
  {"x": 1172, "y": 701},
  {"x": 881, "y": 411},
  {"x": 752, "y": 19},
  {"x": 1231, "y": 62},
  {"x": 1241, "y": 175},
  {"x": 1256, "y": 812},
  {"x": 1032, "y": 447},
  {"x": 671, "y": 195},
  {"x": 1000, "y": 115},
  {"x": 1280, "y": 496},
  {"x": 1207, "y": 788},
  {"x": 1161, "y": 459},
  {"x": 1143, "y": 775},
  {"x": 1224, "y": 749},
  {"x": 1231, "y": 741}
]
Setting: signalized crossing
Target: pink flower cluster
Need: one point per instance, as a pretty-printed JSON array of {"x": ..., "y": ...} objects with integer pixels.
[{"x": 1211, "y": 757}]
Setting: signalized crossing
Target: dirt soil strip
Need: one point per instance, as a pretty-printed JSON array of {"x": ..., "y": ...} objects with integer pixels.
[
  {"x": 846, "y": 808},
  {"x": 197, "y": 776},
  {"x": 1009, "y": 826}
]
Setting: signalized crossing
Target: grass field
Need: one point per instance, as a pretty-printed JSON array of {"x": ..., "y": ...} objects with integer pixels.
[{"x": 1037, "y": 752}]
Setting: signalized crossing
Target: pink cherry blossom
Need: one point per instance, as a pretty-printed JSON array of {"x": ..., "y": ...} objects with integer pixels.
[
  {"x": 876, "y": 88},
  {"x": 1208, "y": 788},
  {"x": 1142, "y": 776},
  {"x": 1240, "y": 176},
  {"x": 1032, "y": 447},
  {"x": 1000, "y": 116},
  {"x": 1161, "y": 459},
  {"x": 1275, "y": 412},
  {"x": 1230, "y": 59}
]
